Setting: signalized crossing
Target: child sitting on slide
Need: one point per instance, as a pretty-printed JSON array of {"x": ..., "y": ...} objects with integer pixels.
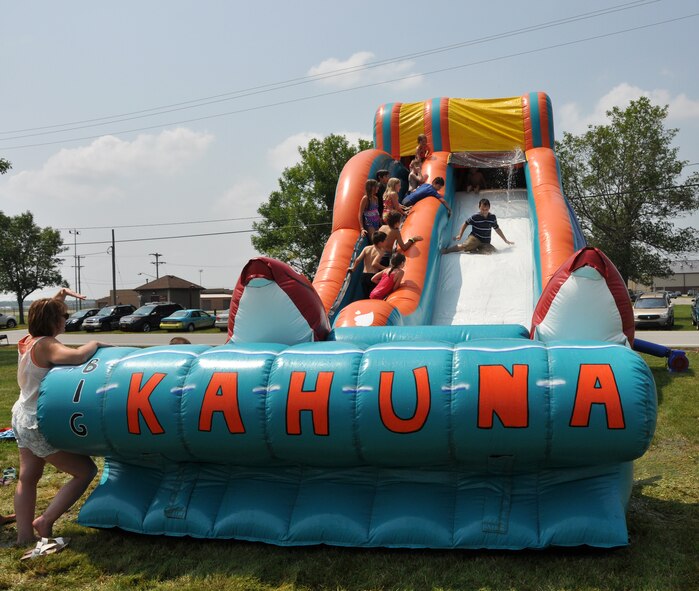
[
  {"x": 371, "y": 256},
  {"x": 389, "y": 279}
]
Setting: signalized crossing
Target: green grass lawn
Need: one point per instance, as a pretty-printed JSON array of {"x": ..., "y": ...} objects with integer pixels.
[
  {"x": 683, "y": 318},
  {"x": 663, "y": 521}
]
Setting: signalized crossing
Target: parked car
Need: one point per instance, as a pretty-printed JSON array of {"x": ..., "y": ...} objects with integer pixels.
[
  {"x": 222, "y": 321},
  {"x": 148, "y": 317},
  {"x": 7, "y": 321},
  {"x": 653, "y": 309},
  {"x": 188, "y": 320},
  {"x": 694, "y": 309},
  {"x": 76, "y": 319},
  {"x": 107, "y": 318}
]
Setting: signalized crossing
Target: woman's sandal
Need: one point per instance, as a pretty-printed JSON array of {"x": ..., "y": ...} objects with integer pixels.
[
  {"x": 5, "y": 519},
  {"x": 46, "y": 546}
]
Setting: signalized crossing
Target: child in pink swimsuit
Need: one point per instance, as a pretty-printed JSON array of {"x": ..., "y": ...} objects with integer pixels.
[{"x": 389, "y": 279}]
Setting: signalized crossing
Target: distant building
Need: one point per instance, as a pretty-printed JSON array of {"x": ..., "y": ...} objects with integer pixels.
[
  {"x": 170, "y": 289},
  {"x": 123, "y": 296},
  {"x": 685, "y": 277},
  {"x": 217, "y": 299}
]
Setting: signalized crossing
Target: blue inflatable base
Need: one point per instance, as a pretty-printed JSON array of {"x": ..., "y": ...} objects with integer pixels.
[{"x": 368, "y": 506}]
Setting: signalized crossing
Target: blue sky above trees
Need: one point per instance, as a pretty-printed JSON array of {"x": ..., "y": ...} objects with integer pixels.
[{"x": 244, "y": 84}]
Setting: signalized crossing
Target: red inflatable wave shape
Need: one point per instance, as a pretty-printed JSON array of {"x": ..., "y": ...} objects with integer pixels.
[
  {"x": 295, "y": 286},
  {"x": 601, "y": 309}
]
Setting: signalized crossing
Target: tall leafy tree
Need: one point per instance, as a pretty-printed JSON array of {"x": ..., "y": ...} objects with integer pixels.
[
  {"x": 29, "y": 257},
  {"x": 297, "y": 217},
  {"x": 623, "y": 180}
]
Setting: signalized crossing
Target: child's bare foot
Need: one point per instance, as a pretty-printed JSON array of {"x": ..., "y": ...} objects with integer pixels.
[{"x": 44, "y": 529}]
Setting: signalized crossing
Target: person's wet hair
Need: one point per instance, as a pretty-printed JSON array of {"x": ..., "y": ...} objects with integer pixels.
[
  {"x": 393, "y": 218},
  {"x": 397, "y": 259},
  {"x": 378, "y": 238}
]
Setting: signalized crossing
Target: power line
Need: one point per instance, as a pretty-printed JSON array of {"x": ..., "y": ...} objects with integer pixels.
[
  {"x": 254, "y": 217},
  {"x": 265, "y": 88},
  {"x": 291, "y": 227},
  {"x": 247, "y": 231},
  {"x": 363, "y": 86}
]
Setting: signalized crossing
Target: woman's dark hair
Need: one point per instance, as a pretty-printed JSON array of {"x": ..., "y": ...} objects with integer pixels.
[
  {"x": 45, "y": 315},
  {"x": 370, "y": 185},
  {"x": 397, "y": 260}
]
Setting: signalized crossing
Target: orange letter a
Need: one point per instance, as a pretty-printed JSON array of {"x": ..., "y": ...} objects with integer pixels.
[
  {"x": 221, "y": 396},
  {"x": 596, "y": 385}
]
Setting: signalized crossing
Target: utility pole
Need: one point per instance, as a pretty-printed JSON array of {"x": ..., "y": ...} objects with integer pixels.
[
  {"x": 80, "y": 302},
  {"x": 76, "y": 263},
  {"x": 114, "y": 293},
  {"x": 75, "y": 234},
  {"x": 157, "y": 262}
]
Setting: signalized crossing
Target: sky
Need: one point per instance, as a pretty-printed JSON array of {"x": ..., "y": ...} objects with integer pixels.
[{"x": 171, "y": 121}]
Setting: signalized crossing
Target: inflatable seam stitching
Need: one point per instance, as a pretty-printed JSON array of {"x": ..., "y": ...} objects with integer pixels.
[
  {"x": 294, "y": 504},
  {"x": 355, "y": 423},
  {"x": 267, "y": 408},
  {"x": 370, "y": 518},
  {"x": 547, "y": 402},
  {"x": 216, "y": 516},
  {"x": 180, "y": 414},
  {"x": 103, "y": 403}
]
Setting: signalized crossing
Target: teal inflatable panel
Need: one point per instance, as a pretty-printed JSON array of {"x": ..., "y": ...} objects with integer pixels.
[{"x": 495, "y": 442}]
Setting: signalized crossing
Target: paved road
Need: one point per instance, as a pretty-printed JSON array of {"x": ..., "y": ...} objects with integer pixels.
[{"x": 675, "y": 339}]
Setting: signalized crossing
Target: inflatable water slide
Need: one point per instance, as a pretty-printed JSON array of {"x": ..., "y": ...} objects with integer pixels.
[{"x": 489, "y": 402}]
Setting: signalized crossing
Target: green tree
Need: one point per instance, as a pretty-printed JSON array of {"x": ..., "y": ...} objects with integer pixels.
[
  {"x": 29, "y": 257},
  {"x": 298, "y": 216},
  {"x": 623, "y": 180},
  {"x": 5, "y": 165}
]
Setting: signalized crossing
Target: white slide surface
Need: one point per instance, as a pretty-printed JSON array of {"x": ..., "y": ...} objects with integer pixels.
[{"x": 489, "y": 289}]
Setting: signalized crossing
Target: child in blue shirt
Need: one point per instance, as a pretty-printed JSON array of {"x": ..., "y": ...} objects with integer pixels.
[{"x": 482, "y": 224}]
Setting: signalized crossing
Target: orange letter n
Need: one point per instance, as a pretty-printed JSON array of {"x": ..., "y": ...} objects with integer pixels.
[
  {"x": 316, "y": 401},
  {"x": 221, "y": 396},
  {"x": 503, "y": 394},
  {"x": 138, "y": 402}
]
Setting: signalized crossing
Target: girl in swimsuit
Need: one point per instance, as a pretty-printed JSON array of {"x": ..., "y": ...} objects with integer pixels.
[
  {"x": 369, "y": 217},
  {"x": 390, "y": 199},
  {"x": 389, "y": 279}
]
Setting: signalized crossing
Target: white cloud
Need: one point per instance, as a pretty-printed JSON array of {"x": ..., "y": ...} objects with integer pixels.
[
  {"x": 241, "y": 200},
  {"x": 286, "y": 153},
  {"x": 573, "y": 120},
  {"x": 354, "y": 71},
  {"x": 105, "y": 168}
]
